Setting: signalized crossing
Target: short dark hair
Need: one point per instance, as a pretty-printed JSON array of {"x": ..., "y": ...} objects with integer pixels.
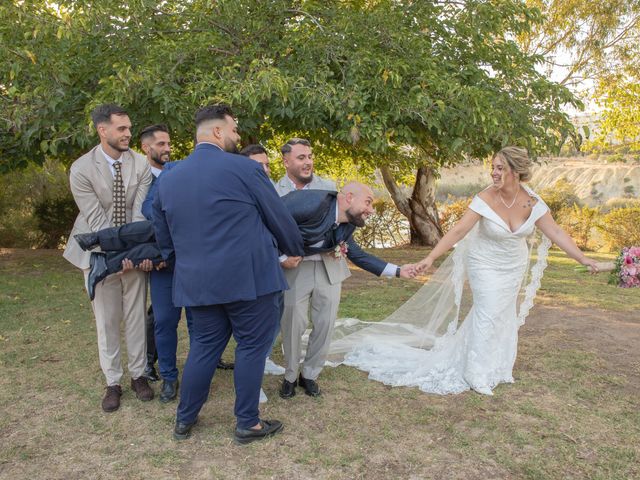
[
  {"x": 151, "y": 130},
  {"x": 102, "y": 113},
  {"x": 286, "y": 148},
  {"x": 213, "y": 112},
  {"x": 253, "y": 149}
]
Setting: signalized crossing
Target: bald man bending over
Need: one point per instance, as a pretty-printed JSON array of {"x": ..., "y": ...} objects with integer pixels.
[{"x": 326, "y": 220}]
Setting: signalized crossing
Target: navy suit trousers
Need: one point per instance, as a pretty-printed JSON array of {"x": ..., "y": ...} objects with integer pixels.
[
  {"x": 252, "y": 324},
  {"x": 167, "y": 317}
]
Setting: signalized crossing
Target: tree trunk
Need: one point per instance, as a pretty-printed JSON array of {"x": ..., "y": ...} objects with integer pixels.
[{"x": 420, "y": 209}]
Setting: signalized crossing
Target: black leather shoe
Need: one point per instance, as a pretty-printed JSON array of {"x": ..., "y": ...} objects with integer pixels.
[
  {"x": 182, "y": 431},
  {"x": 169, "y": 391},
  {"x": 225, "y": 365},
  {"x": 269, "y": 427},
  {"x": 87, "y": 241},
  {"x": 288, "y": 389},
  {"x": 98, "y": 272},
  {"x": 311, "y": 388},
  {"x": 150, "y": 373}
]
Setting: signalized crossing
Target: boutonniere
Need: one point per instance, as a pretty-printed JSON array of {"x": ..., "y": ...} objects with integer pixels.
[{"x": 341, "y": 250}]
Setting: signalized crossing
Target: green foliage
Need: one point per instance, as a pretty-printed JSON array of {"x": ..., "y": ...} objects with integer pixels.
[
  {"x": 580, "y": 222},
  {"x": 621, "y": 227},
  {"x": 560, "y": 196},
  {"x": 445, "y": 79},
  {"x": 36, "y": 207}
]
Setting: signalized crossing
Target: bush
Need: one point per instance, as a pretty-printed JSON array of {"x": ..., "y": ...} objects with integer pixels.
[
  {"x": 616, "y": 158},
  {"x": 560, "y": 196},
  {"x": 621, "y": 227},
  {"x": 450, "y": 213},
  {"x": 37, "y": 209},
  {"x": 580, "y": 223},
  {"x": 387, "y": 227}
]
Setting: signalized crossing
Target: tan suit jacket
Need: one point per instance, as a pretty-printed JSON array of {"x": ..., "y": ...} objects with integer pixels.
[
  {"x": 92, "y": 187},
  {"x": 337, "y": 268}
]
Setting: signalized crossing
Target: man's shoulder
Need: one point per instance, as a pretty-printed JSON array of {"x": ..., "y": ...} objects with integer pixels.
[
  {"x": 138, "y": 159},
  {"x": 319, "y": 183}
]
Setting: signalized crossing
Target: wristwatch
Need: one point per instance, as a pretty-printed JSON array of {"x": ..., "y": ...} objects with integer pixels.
[{"x": 398, "y": 272}]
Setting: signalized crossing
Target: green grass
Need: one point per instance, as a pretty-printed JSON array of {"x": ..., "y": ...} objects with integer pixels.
[{"x": 572, "y": 412}]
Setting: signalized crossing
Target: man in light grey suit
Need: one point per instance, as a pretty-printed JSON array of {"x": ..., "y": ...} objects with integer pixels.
[
  {"x": 109, "y": 184},
  {"x": 318, "y": 278}
]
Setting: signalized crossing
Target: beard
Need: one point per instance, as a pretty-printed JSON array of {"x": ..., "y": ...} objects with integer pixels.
[
  {"x": 304, "y": 180},
  {"x": 230, "y": 146},
  {"x": 357, "y": 220},
  {"x": 156, "y": 157},
  {"x": 114, "y": 144}
]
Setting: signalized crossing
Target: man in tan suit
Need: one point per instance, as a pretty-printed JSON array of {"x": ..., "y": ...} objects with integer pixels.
[
  {"x": 109, "y": 184},
  {"x": 317, "y": 280}
]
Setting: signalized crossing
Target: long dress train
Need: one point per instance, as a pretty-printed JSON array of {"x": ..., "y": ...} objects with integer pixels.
[{"x": 423, "y": 344}]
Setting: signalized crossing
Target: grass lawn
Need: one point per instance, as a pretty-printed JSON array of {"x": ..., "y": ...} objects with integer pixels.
[{"x": 572, "y": 413}]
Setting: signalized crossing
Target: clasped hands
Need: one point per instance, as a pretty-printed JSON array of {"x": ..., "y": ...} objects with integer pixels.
[{"x": 145, "y": 265}]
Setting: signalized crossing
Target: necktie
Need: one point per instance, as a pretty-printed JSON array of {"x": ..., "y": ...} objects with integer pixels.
[{"x": 119, "y": 214}]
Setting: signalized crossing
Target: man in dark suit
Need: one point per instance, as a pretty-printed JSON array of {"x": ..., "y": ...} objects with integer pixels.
[
  {"x": 156, "y": 145},
  {"x": 219, "y": 219}
]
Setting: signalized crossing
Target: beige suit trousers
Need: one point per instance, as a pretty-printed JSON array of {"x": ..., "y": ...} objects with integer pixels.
[
  {"x": 309, "y": 286},
  {"x": 121, "y": 298}
]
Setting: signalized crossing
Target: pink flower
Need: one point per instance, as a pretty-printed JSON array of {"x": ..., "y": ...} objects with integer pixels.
[{"x": 635, "y": 251}]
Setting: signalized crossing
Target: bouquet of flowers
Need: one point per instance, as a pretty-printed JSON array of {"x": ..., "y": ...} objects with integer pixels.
[{"x": 626, "y": 271}]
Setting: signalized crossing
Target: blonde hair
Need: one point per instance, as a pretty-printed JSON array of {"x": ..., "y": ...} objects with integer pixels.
[{"x": 518, "y": 160}]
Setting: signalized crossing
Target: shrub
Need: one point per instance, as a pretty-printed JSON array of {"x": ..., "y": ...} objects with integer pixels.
[
  {"x": 615, "y": 158},
  {"x": 36, "y": 207},
  {"x": 450, "y": 213},
  {"x": 560, "y": 196},
  {"x": 387, "y": 227},
  {"x": 580, "y": 223},
  {"x": 621, "y": 227}
]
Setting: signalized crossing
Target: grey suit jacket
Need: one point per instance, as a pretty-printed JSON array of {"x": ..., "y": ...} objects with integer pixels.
[
  {"x": 337, "y": 268},
  {"x": 92, "y": 188}
]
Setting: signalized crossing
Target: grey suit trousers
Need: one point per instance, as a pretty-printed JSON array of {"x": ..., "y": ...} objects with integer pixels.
[{"x": 309, "y": 286}]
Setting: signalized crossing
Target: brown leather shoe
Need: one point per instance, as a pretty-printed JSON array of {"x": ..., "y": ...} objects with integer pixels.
[
  {"x": 143, "y": 391},
  {"x": 111, "y": 400}
]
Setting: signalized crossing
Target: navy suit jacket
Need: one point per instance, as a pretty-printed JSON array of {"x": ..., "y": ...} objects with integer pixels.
[
  {"x": 315, "y": 214},
  {"x": 221, "y": 218}
]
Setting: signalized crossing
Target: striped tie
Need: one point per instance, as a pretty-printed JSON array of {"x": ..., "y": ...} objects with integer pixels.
[{"x": 119, "y": 214}]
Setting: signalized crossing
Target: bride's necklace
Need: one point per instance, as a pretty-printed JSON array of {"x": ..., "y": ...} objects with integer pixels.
[{"x": 514, "y": 198}]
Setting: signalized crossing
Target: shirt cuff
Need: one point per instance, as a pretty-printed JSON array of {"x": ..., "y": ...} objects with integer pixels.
[
  {"x": 282, "y": 258},
  {"x": 389, "y": 270}
]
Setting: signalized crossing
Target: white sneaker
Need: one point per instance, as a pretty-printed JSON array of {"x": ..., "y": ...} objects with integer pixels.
[
  {"x": 271, "y": 368},
  {"x": 263, "y": 397}
]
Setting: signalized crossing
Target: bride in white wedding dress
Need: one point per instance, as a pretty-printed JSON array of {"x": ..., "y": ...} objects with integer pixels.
[{"x": 423, "y": 344}]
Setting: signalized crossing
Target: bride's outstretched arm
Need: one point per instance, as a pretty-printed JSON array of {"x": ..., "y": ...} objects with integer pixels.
[
  {"x": 453, "y": 236},
  {"x": 557, "y": 235}
]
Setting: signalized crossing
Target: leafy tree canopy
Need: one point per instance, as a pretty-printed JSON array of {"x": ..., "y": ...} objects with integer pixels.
[{"x": 399, "y": 83}]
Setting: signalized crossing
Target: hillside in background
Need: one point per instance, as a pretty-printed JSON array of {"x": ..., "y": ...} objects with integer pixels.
[{"x": 595, "y": 181}]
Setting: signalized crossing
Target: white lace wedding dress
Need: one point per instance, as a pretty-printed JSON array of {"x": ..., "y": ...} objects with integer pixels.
[{"x": 422, "y": 344}]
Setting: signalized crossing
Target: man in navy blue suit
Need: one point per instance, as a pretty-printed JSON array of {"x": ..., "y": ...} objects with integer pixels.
[{"x": 219, "y": 220}]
